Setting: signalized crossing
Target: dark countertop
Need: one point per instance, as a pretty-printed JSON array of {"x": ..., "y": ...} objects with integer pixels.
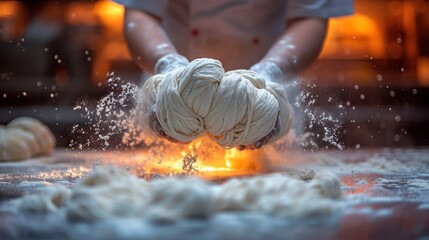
[{"x": 387, "y": 191}]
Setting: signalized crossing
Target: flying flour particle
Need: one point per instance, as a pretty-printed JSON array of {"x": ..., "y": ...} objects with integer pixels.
[{"x": 111, "y": 118}]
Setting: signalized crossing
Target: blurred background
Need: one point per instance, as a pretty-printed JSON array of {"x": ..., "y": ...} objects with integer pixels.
[{"x": 374, "y": 67}]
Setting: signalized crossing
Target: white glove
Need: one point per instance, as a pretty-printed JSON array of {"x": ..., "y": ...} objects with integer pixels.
[
  {"x": 269, "y": 71},
  {"x": 164, "y": 65},
  {"x": 169, "y": 63}
]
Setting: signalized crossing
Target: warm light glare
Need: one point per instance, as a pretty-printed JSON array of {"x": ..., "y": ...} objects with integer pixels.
[
  {"x": 423, "y": 71},
  {"x": 110, "y": 14},
  {"x": 81, "y": 13},
  {"x": 357, "y": 36},
  {"x": 201, "y": 157},
  {"x": 9, "y": 8},
  {"x": 114, "y": 48},
  {"x": 353, "y": 187},
  {"x": 213, "y": 161}
]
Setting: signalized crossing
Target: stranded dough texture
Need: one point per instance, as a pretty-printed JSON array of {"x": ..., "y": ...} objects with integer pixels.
[
  {"x": 111, "y": 192},
  {"x": 23, "y": 138},
  {"x": 235, "y": 108}
]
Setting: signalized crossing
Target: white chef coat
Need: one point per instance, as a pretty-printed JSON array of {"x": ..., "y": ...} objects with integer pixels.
[{"x": 236, "y": 32}]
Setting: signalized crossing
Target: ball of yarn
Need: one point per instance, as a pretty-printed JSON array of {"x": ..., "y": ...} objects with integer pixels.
[{"x": 233, "y": 108}]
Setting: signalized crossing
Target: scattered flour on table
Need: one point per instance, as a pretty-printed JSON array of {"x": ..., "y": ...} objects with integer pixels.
[
  {"x": 391, "y": 165},
  {"x": 111, "y": 192},
  {"x": 374, "y": 163},
  {"x": 419, "y": 183},
  {"x": 424, "y": 206},
  {"x": 33, "y": 184}
]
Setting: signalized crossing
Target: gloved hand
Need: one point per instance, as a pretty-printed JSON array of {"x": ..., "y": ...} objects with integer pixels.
[
  {"x": 270, "y": 72},
  {"x": 169, "y": 63},
  {"x": 165, "y": 65}
]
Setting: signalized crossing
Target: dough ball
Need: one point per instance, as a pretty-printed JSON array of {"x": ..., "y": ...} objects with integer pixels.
[
  {"x": 43, "y": 136},
  {"x": 23, "y": 138},
  {"x": 27, "y": 137},
  {"x": 13, "y": 146}
]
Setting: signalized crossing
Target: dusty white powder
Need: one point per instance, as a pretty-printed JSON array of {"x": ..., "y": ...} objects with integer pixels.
[
  {"x": 111, "y": 192},
  {"x": 280, "y": 195},
  {"x": 372, "y": 163}
]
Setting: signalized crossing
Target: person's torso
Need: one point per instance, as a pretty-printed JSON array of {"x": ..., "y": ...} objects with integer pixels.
[{"x": 238, "y": 33}]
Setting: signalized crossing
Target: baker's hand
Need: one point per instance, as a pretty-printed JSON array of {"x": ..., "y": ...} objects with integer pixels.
[
  {"x": 157, "y": 128},
  {"x": 270, "y": 72},
  {"x": 273, "y": 133},
  {"x": 165, "y": 65},
  {"x": 169, "y": 63}
]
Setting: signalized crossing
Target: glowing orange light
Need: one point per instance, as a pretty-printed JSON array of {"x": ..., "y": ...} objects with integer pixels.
[
  {"x": 9, "y": 8},
  {"x": 354, "y": 37},
  {"x": 205, "y": 159},
  {"x": 81, "y": 13},
  {"x": 423, "y": 71},
  {"x": 368, "y": 187},
  {"x": 110, "y": 14}
]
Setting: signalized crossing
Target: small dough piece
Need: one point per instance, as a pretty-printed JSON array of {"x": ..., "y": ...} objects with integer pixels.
[
  {"x": 25, "y": 136},
  {"x": 13, "y": 146},
  {"x": 43, "y": 136}
]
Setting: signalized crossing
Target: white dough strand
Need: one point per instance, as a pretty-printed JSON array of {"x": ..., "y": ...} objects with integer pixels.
[{"x": 234, "y": 108}]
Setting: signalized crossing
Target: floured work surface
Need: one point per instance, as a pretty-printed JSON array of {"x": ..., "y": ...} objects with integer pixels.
[{"x": 385, "y": 195}]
